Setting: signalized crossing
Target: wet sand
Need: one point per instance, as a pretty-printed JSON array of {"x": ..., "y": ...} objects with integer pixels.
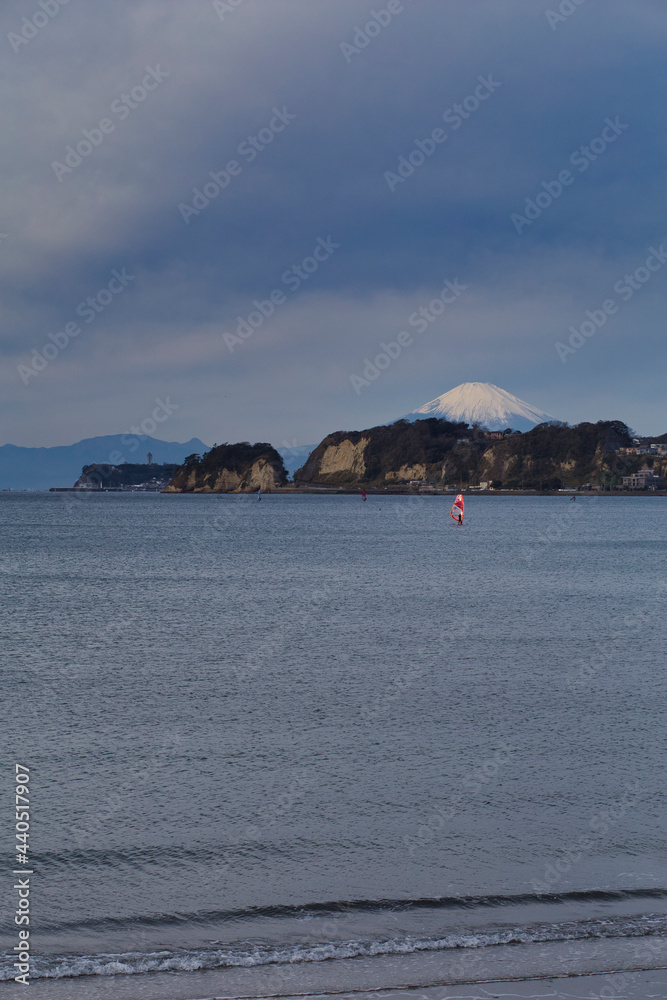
[
  {"x": 646, "y": 985},
  {"x": 611, "y": 969}
]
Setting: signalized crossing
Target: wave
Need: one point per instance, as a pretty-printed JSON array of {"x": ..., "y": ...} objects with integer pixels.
[
  {"x": 249, "y": 954},
  {"x": 336, "y": 907}
]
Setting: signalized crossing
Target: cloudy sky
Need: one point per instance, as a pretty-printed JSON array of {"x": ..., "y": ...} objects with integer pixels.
[{"x": 304, "y": 110}]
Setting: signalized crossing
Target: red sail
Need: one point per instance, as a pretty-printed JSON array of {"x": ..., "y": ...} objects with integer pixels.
[{"x": 458, "y": 508}]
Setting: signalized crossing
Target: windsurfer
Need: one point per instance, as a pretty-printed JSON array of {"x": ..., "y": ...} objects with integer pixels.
[{"x": 457, "y": 509}]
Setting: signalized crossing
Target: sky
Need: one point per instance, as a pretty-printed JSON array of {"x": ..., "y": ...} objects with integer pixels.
[{"x": 235, "y": 207}]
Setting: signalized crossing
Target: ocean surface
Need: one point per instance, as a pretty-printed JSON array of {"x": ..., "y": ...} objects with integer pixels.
[{"x": 313, "y": 742}]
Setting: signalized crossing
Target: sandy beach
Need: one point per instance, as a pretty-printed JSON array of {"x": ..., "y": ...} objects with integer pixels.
[
  {"x": 618, "y": 969},
  {"x": 637, "y": 985}
]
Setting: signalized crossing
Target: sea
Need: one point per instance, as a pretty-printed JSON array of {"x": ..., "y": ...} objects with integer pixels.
[{"x": 312, "y": 744}]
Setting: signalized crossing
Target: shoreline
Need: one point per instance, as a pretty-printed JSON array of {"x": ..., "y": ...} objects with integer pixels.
[
  {"x": 410, "y": 492},
  {"x": 625, "y": 968},
  {"x": 355, "y": 491},
  {"x": 315, "y": 489},
  {"x": 629, "y": 983}
]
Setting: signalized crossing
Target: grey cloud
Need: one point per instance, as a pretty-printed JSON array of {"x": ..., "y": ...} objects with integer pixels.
[{"x": 323, "y": 175}]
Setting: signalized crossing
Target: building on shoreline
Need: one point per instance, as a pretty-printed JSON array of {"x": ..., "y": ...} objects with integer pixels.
[{"x": 643, "y": 480}]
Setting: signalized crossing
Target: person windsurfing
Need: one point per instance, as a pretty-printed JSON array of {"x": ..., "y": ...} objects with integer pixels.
[
  {"x": 458, "y": 509},
  {"x": 259, "y": 493},
  {"x": 363, "y": 494}
]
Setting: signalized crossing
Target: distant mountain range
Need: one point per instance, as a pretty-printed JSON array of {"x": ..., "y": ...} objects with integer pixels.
[
  {"x": 41, "y": 468},
  {"x": 485, "y": 404},
  {"x": 294, "y": 456}
]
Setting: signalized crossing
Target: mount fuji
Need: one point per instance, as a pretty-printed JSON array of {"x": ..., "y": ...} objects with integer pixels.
[{"x": 485, "y": 404}]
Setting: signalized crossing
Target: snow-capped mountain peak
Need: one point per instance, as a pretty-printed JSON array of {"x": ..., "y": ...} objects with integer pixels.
[{"x": 482, "y": 403}]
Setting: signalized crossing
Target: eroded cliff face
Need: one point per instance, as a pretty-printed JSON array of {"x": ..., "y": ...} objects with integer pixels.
[
  {"x": 406, "y": 473},
  {"x": 183, "y": 482},
  {"x": 231, "y": 469},
  {"x": 345, "y": 457},
  {"x": 387, "y": 454},
  {"x": 339, "y": 459}
]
